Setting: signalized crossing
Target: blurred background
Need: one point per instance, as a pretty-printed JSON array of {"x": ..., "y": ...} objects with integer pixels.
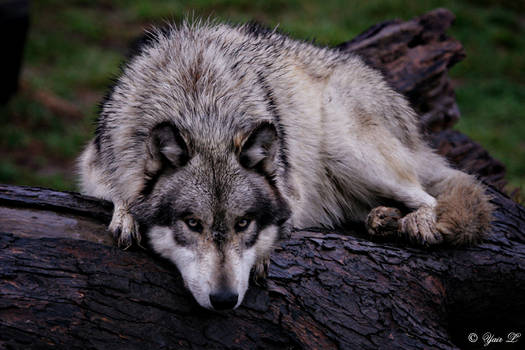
[{"x": 74, "y": 49}]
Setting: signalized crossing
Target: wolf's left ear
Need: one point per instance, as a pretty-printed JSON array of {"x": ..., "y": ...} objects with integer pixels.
[
  {"x": 166, "y": 146},
  {"x": 260, "y": 149}
]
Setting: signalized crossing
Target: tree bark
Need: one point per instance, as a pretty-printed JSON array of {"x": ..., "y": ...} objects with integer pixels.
[{"x": 63, "y": 284}]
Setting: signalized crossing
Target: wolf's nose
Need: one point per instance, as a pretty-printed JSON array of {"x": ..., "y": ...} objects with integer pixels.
[{"x": 223, "y": 300}]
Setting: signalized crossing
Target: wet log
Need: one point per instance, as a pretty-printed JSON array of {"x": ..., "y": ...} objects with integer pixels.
[{"x": 64, "y": 285}]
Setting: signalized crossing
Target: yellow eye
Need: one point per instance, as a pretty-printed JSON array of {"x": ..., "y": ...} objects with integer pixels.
[
  {"x": 242, "y": 224},
  {"x": 193, "y": 224}
]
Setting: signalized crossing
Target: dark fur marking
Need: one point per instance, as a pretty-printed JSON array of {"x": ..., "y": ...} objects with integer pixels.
[
  {"x": 97, "y": 143},
  {"x": 164, "y": 132},
  {"x": 255, "y": 28},
  {"x": 266, "y": 213},
  {"x": 253, "y": 239},
  {"x": 163, "y": 216},
  {"x": 167, "y": 166},
  {"x": 259, "y": 168},
  {"x": 151, "y": 181},
  {"x": 100, "y": 122},
  {"x": 281, "y": 133},
  {"x": 180, "y": 239},
  {"x": 223, "y": 282},
  {"x": 219, "y": 229}
]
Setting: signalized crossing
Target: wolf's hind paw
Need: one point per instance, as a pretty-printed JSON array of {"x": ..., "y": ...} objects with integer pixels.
[
  {"x": 420, "y": 227},
  {"x": 383, "y": 221}
]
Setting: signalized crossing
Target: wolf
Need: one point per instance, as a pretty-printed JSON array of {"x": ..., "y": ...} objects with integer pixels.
[{"x": 217, "y": 139}]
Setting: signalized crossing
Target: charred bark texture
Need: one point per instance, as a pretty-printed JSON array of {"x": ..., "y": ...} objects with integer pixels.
[{"x": 64, "y": 285}]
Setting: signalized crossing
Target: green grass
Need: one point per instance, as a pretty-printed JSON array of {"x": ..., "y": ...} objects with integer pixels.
[{"x": 75, "y": 47}]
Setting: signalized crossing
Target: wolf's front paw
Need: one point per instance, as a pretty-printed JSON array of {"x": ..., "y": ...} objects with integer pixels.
[
  {"x": 124, "y": 228},
  {"x": 383, "y": 221},
  {"x": 420, "y": 226}
]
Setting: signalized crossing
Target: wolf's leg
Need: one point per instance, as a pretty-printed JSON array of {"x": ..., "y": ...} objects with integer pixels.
[
  {"x": 461, "y": 213},
  {"x": 123, "y": 226},
  {"x": 368, "y": 174},
  {"x": 419, "y": 226},
  {"x": 375, "y": 166},
  {"x": 376, "y": 151}
]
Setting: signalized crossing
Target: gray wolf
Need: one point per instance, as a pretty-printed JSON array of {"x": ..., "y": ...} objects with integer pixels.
[{"x": 215, "y": 140}]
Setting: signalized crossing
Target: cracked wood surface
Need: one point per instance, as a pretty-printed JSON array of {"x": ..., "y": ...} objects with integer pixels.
[{"x": 324, "y": 290}]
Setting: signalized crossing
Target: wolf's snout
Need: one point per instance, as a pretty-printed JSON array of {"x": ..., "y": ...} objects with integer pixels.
[{"x": 224, "y": 300}]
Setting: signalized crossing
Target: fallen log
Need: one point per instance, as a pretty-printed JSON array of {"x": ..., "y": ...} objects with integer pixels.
[
  {"x": 67, "y": 286},
  {"x": 64, "y": 285}
]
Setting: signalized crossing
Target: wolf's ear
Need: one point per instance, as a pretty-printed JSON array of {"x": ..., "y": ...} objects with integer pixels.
[
  {"x": 260, "y": 149},
  {"x": 166, "y": 146}
]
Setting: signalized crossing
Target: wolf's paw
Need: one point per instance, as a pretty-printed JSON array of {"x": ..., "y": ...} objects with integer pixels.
[
  {"x": 383, "y": 221},
  {"x": 420, "y": 227},
  {"x": 124, "y": 228},
  {"x": 261, "y": 271}
]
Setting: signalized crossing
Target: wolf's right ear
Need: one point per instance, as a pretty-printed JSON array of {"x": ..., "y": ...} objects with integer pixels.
[
  {"x": 166, "y": 146},
  {"x": 260, "y": 149}
]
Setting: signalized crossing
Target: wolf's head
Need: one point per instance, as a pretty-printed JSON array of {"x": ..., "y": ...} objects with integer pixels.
[{"x": 214, "y": 211}]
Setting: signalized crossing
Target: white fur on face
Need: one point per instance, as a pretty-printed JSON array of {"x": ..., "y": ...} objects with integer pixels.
[
  {"x": 196, "y": 271},
  {"x": 250, "y": 256},
  {"x": 200, "y": 268}
]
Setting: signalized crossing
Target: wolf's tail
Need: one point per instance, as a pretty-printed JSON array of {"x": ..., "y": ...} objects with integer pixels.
[{"x": 463, "y": 211}]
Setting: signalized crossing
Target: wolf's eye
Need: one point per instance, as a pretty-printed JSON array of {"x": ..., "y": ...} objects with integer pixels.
[
  {"x": 193, "y": 224},
  {"x": 242, "y": 224}
]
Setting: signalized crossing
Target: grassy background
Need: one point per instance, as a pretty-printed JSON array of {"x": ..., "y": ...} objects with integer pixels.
[{"x": 75, "y": 47}]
